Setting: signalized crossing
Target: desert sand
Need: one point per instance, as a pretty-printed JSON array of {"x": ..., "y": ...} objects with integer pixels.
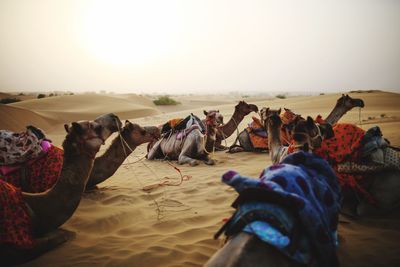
[{"x": 121, "y": 225}]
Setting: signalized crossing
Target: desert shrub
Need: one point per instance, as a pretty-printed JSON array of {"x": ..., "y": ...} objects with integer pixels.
[
  {"x": 9, "y": 100},
  {"x": 41, "y": 96},
  {"x": 281, "y": 96},
  {"x": 165, "y": 100},
  {"x": 383, "y": 115}
]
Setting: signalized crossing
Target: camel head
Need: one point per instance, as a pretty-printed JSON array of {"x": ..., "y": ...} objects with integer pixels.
[
  {"x": 110, "y": 123},
  {"x": 218, "y": 116},
  {"x": 267, "y": 113},
  {"x": 139, "y": 135},
  {"x": 212, "y": 118},
  {"x": 245, "y": 108},
  {"x": 308, "y": 135},
  {"x": 347, "y": 102},
  {"x": 85, "y": 137}
]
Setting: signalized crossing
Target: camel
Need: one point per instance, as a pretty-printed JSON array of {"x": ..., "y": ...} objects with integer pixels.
[
  {"x": 242, "y": 109},
  {"x": 257, "y": 216},
  {"x": 131, "y": 136},
  {"x": 383, "y": 185},
  {"x": 306, "y": 136},
  {"x": 190, "y": 148},
  {"x": 28, "y": 179},
  {"x": 49, "y": 210},
  {"x": 344, "y": 104}
]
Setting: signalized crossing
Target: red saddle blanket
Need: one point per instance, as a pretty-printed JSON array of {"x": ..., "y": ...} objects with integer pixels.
[
  {"x": 40, "y": 174},
  {"x": 15, "y": 223},
  {"x": 345, "y": 147}
]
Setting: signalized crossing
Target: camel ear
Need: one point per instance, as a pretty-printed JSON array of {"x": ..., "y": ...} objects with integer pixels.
[
  {"x": 310, "y": 122},
  {"x": 126, "y": 122},
  {"x": 76, "y": 127},
  {"x": 66, "y": 128},
  {"x": 205, "y": 112},
  {"x": 279, "y": 111}
]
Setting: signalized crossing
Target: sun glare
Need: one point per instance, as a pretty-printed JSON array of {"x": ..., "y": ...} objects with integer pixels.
[{"x": 130, "y": 32}]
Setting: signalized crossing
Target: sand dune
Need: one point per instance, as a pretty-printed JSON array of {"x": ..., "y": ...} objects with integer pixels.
[
  {"x": 121, "y": 225},
  {"x": 55, "y": 111},
  {"x": 16, "y": 119}
]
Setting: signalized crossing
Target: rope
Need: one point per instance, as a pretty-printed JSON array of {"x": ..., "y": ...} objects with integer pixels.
[{"x": 166, "y": 181}]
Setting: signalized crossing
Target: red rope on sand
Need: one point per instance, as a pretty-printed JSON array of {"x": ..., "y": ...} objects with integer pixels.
[{"x": 166, "y": 180}]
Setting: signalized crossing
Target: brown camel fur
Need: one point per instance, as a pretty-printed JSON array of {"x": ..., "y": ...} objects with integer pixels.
[
  {"x": 52, "y": 208},
  {"x": 306, "y": 136},
  {"x": 343, "y": 104},
  {"x": 107, "y": 164},
  {"x": 242, "y": 109}
]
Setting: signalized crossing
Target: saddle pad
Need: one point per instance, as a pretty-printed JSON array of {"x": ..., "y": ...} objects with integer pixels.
[{"x": 15, "y": 223}]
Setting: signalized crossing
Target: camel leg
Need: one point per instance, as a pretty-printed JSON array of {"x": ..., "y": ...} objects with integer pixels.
[
  {"x": 208, "y": 160},
  {"x": 185, "y": 159},
  {"x": 11, "y": 256},
  {"x": 386, "y": 190}
]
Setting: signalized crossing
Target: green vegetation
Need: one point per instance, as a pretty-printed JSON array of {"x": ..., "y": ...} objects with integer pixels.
[
  {"x": 41, "y": 96},
  {"x": 281, "y": 96},
  {"x": 9, "y": 100},
  {"x": 165, "y": 100}
]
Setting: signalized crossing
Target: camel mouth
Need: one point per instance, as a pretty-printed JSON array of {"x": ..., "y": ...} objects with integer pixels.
[
  {"x": 153, "y": 132},
  {"x": 253, "y": 108},
  {"x": 359, "y": 103}
]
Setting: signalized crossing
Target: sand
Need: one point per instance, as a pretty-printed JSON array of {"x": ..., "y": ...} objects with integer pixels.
[{"x": 121, "y": 225}]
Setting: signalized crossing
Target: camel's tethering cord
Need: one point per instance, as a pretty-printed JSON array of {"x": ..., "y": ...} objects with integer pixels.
[
  {"x": 359, "y": 117},
  {"x": 148, "y": 188}
]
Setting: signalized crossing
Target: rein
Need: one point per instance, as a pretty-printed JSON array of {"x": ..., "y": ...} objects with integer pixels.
[{"x": 163, "y": 182}]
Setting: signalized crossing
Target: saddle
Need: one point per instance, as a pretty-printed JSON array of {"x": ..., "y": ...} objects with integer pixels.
[
  {"x": 179, "y": 124},
  {"x": 20, "y": 147}
]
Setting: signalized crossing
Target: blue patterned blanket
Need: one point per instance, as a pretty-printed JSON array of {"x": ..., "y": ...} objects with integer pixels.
[{"x": 293, "y": 206}]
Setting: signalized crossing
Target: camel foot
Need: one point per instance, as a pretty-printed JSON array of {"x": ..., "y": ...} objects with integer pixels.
[
  {"x": 235, "y": 149},
  {"x": 220, "y": 148},
  {"x": 194, "y": 163},
  {"x": 210, "y": 162}
]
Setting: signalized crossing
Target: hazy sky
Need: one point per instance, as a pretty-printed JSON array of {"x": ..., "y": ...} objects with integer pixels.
[{"x": 189, "y": 46}]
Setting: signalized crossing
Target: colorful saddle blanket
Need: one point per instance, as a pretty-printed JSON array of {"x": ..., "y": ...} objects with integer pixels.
[
  {"x": 20, "y": 147},
  {"x": 257, "y": 135},
  {"x": 15, "y": 223},
  {"x": 37, "y": 175},
  {"x": 305, "y": 187},
  {"x": 180, "y": 124}
]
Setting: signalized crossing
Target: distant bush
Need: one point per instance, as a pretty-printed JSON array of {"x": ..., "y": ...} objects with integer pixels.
[
  {"x": 41, "y": 96},
  {"x": 9, "y": 100},
  {"x": 281, "y": 96},
  {"x": 165, "y": 100},
  {"x": 21, "y": 94}
]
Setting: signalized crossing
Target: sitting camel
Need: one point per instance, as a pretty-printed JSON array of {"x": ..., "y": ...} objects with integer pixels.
[
  {"x": 254, "y": 138},
  {"x": 278, "y": 221},
  {"x": 131, "y": 136},
  {"x": 42, "y": 173},
  {"x": 30, "y": 221},
  {"x": 368, "y": 188},
  {"x": 242, "y": 109},
  {"x": 186, "y": 149},
  {"x": 306, "y": 136}
]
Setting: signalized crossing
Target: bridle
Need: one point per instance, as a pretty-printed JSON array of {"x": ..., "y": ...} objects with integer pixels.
[{"x": 309, "y": 139}]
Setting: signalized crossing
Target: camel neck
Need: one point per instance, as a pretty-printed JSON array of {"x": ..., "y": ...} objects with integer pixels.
[
  {"x": 336, "y": 114},
  {"x": 108, "y": 163},
  {"x": 55, "y": 206},
  {"x": 230, "y": 127}
]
